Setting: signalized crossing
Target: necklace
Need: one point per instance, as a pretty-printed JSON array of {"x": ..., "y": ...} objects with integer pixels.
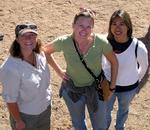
[
  {"x": 84, "y": 47},
  {"x": 34, "y": 60}
]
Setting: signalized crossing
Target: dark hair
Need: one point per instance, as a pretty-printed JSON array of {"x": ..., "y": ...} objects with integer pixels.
[
  {"x": 85, "y": 12},
  {"x": 16, "y": 52},
  {"x": 125, "y": 17}
]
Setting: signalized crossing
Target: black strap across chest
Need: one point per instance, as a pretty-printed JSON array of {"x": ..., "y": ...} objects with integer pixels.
[{"x": 97, "y": 79}]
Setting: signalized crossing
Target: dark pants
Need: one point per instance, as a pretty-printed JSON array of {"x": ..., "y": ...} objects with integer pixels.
[{"x": 35, "y": 122}]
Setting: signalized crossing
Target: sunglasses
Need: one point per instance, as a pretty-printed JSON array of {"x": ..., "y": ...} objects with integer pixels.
[
  {"x": 21, "y": 27},
  {"x": 27, "y": 26},
  {"x": 90, "y": 11}
]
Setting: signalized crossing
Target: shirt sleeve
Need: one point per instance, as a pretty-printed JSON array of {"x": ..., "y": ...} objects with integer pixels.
[
  {"x": 142, "y": 58},
  {"x": 106, "y": 45},
  {"x": 10, "y": 80},
  {"x": 107, "y": 48},
  {"x": 58, "y": 44}
]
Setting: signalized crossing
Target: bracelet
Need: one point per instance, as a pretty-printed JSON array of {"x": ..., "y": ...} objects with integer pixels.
[{"x": 112, "y": 89}]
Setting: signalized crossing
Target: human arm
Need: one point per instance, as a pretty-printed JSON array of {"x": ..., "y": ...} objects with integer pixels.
[
  {"x": 10, "y": 79},
  {"x": 49, "y": 50},
  {"x": 114, "y": 68},
  {"x": 14, "y": 111},
  {"x": 142, "y": 58}
]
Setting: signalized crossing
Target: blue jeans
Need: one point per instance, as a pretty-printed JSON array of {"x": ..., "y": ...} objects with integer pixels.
[
  {"x": 124, "y": 100},
  {"x": 77, "y": 113}
]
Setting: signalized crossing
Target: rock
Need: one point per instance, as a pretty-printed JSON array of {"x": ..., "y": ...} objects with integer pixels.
[
  {"x": 146, "y": 38},
  {"x": 1, "y": 36}
]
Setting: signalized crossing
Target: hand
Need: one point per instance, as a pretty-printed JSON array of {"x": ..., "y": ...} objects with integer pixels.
[
  {"x": 20, "y": 125},
  {"x": 63, "y": 75}
]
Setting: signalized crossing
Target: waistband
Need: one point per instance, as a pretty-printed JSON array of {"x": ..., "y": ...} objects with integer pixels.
[
  {"x": 75, "y": 93},
  {"x": 126, "y": 88}
]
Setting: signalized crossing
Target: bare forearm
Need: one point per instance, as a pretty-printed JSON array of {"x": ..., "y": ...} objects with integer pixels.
[
  {"x": 14, "y": 111},
  {"x": 54, "y": 65},
  {"x": 114, "y": 68},
  {"x": 49, "y": 50},
  {"x": 114, "y": 71}
]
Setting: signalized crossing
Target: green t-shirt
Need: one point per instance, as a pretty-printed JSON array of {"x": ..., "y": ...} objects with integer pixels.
[{"x": 75, "y": 69}]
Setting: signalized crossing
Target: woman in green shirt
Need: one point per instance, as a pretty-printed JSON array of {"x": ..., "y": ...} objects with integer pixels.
[{"x": 78, "y": 86}]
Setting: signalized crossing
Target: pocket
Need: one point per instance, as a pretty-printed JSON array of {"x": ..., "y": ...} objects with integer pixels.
[{"x": 105, "y": 87}]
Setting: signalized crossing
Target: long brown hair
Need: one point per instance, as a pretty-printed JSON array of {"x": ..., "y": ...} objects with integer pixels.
[
  {"x": 15, "y": 50},
  {"x": 127, "y": 20}
]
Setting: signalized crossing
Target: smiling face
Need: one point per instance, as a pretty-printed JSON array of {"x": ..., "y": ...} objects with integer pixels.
[
  {"x": 83, "y": 27},
  {"x": 120, "y": 26},
  {"x": 27, "y": 42},
  {"x": 119, "y": 30}
]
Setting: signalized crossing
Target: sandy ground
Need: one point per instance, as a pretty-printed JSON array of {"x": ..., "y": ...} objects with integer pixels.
[{"x": 54, "y": 18}]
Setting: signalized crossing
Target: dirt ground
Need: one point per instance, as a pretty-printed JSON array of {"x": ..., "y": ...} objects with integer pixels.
[{"x": 54, "y": 18}]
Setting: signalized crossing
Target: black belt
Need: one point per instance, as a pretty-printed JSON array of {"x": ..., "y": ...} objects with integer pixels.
[{"x": 126, "y": 88}]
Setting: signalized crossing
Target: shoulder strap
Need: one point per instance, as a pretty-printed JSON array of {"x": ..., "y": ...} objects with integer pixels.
[
  {"x": 136, "y": 47},
  {"x": 85, "y": 65}
]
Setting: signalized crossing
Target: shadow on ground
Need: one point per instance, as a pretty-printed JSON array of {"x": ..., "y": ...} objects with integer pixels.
[{"x": 146, "y": 41}]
